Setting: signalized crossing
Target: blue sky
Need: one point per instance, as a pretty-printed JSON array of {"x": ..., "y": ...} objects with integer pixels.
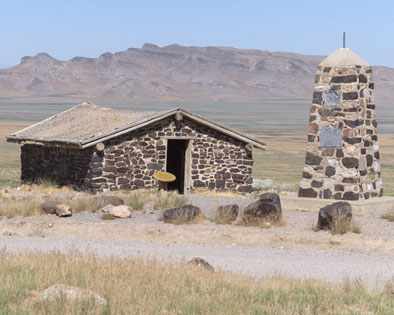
[{"x": 70, "y": 28}]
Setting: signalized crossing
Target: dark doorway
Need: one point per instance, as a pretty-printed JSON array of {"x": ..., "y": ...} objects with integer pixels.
[{"x": 176, "y": 157}]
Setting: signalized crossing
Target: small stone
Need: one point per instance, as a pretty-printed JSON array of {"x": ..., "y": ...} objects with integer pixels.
[
  {"x": 63, "y": 210},
  {"x": 330, "y": 171},
  {"x": 183, "y": 214},
  {"x": 312, "y": 159},
  {"x": 199, "y": 262},
  {"x": 350, "y": 162},
  {"x": 50, "y": 225},
  {"x": 308, "y": 193},
  {"x": 315, "y": 184},
  {"x": 305, "y": 184},
  {"x": 313, "y": 128},
  {"x": 349, "y": 195},
  {"x": 121, "y": 211},
  {"x": 148, "y": 207}
]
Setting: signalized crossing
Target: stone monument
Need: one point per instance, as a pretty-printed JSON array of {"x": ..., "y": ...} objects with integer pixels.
[{"x": 342, "y": 158}]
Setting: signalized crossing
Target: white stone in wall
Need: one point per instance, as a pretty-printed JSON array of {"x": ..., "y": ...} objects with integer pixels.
[
  {"x": 362, "y": 163},
  {"x": 350, "y": 173},
  {"x": 305, "y": 184},
  {"x": 328, "y": 184},
  {"x": 351, "y": 150},
  {"x": 332, "y": 162}
]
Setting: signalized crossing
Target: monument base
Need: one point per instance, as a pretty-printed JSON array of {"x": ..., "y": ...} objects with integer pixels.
[{"x": 375, "y": 207}]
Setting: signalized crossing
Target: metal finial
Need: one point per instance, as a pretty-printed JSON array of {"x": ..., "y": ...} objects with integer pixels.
[{"x": 344, "y": 40}]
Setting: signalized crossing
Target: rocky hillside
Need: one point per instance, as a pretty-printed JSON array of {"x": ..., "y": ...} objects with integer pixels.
[{"x": 174, "y": 72}]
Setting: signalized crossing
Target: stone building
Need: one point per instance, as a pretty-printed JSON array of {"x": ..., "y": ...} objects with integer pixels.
[
  {"x": 342, "y": 158},
  {"x": 100, "y": 149}
]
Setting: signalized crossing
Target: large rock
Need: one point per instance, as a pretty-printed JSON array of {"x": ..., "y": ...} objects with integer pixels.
[
  {"x": 63, "y": 210},
  {"x": 268, "y": 206},
  {"x": 121, "y": 211},
  {"x": 183, "y": 214},
  {"x": 227, "y": 213},
  {"x": 49, "y": 206},
  {"x": 338, "y": 212},
  {"x": 68, "y": 294}
]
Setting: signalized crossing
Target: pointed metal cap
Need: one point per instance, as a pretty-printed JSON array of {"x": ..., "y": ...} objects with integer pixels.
[{"x": 343, "y": 57}]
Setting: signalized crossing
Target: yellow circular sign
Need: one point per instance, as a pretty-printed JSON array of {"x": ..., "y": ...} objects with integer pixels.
[{"x": 164, "y": 176}]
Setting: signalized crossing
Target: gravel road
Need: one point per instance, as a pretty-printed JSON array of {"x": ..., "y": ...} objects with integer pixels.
[
  {"x": 327, "y": 265},
  {"x": 293, "y": 249}
]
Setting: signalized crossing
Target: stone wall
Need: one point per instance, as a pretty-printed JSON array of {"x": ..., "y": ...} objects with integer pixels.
[
  {"x": 61, "y": 165},
  {"x": 351, "y": 170},
  {"x": 129, "y": 161}
]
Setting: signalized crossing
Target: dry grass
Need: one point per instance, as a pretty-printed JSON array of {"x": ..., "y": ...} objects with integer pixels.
[
  {"x": 388, "y": 216},
  {"x": 48, "y": 188},
  {"x": 340, "y": 226},
  {"x": 148, "y": 287},
  {"x": 136, "y": 199},
  {"x": 220, "y": 193},
  {"x": 162, "y": 199},
  {"x": 224, "y": 217},
  {"x": 262, "y": 222}
]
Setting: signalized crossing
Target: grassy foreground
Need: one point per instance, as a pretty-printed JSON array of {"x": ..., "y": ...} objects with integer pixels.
[{"x": 147, "y": 287}]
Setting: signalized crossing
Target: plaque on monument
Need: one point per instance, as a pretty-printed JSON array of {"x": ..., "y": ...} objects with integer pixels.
[{"x": 330, "y": 137}]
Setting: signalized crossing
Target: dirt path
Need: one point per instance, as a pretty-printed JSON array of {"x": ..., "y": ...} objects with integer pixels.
[{"x": 376, "y": 235}]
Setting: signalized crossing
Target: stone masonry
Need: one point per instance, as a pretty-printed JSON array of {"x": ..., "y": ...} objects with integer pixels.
[
  {"x": 218, "y": 162},
  {"x": 62, "y": 165},
  {"x": 342, "y": 158}
]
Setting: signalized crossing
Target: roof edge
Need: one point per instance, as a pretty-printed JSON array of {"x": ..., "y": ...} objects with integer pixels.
[
  {"x": 220, "y": 128},
  {"x": 82, "y": 145}
]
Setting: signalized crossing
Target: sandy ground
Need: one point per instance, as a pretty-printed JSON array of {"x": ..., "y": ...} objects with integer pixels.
[{"x": 293, "y": 249}]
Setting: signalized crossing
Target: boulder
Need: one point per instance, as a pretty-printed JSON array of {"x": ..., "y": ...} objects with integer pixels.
[
  {"x": 67, "y": 293},
  {"x": 49, "y": 206},
  {"x": 199, "y": 262},
  {"x": 227, "y": 213},
  {"x": 63, "y": 210},
  {"x": 118, "y": 211},
  {"x": 183, "y": 214},
  {"x": 338, "y": 212},
  {"x": 268, "y": 206}
]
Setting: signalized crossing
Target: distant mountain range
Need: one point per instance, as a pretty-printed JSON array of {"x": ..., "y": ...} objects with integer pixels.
[{"x": 174, "y": 72}]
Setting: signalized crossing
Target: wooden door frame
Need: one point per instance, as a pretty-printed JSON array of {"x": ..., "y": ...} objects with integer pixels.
[{"x": 187, "y": 174}]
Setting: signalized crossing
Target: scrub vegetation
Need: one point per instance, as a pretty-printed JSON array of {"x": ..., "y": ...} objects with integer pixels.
[{"x": 148, "y": 287}]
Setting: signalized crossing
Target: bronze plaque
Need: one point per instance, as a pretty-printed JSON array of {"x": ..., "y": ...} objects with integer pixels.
[{"x": 331, "y": 137}]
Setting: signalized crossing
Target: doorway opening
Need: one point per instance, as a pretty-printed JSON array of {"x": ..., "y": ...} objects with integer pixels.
[{"x": 176, "y": 163}]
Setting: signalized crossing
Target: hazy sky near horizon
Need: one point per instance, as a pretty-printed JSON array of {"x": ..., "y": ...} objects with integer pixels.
[{"x": 65, "y": 29}]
